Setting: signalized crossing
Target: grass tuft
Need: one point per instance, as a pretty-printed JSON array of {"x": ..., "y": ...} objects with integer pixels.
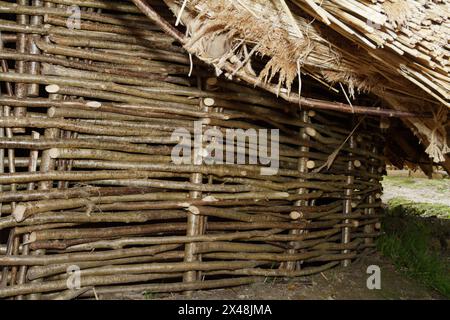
[{"x": 408, "y": 242}]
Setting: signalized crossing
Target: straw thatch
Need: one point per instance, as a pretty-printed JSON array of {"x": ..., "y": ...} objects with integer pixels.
[{"x": 396, "y": 49}]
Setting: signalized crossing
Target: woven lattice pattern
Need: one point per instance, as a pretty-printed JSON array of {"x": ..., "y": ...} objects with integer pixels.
[{"x": 91, "y": 97}]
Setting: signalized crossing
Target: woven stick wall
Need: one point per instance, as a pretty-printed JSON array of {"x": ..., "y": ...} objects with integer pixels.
[{"x": 87, "y": 179}]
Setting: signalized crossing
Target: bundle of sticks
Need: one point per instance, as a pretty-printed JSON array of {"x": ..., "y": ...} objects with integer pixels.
[{"x": 92, "y": 94}]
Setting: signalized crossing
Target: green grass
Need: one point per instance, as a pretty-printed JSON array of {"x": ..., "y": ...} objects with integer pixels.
[
  {"x": 399, "y": 205},
  {"x": 408, "y": 243}
]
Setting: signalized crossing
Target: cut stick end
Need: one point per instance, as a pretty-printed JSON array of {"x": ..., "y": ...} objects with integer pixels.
[
  {"x": 51, "y": 112},
  {"x": 311, "y": 164},
  {"x": 19, "y": 212},
  {"x": 209, "y": 102},
  {"x": 194, "y": 210},
  {"x": 32, "y": 237},
  {"x": 53, "y": 153},
  {"x": 94, "y": 104},
  {"x": 295, "y": 215},
  {"x": 312, "y": 113},
  {"x": 209, "y": 199},
  {"x": 52, "y": 88},
  {"x": 311, "y": 132}
]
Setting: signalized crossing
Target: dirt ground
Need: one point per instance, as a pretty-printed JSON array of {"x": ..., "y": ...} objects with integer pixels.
[
  {"x": 423, "y": 190},
  {"x": 336, "y": 284}
]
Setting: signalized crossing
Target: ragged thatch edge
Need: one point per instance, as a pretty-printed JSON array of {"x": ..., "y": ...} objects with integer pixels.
[
  {"x": 219, "y": 30},
  {"x": 222, "y": 24}
]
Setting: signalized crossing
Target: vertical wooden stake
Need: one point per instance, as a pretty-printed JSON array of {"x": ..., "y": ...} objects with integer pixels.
[
  {"x": 371, "y": 199},
  {"x": 346, "y": 236},
  {"x": 302, "y": 167},
  {"x": 194, "y": 222}
]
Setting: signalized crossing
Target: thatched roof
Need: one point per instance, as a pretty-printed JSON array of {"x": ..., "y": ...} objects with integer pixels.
[{"x": 398, "y": 50}]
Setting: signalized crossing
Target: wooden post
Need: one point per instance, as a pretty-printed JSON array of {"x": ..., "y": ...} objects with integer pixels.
[
  {"x": 346, "y": 236},
  {"x": 302, "y": 168},
  {"x": 372, "y": 168},
  {"x": 195, "y": 224}
]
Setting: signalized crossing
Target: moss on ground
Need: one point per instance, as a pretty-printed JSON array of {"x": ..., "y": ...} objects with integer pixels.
[{"x": 399, "y": 205}]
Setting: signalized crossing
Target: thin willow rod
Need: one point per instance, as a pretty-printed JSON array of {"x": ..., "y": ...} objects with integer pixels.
[
  {"x": 337, "y": 257},
  {"x": 43, "y": 144},
  {"x": 158, "y": 154},
  {"x": 274, "y": 257},
  {"x": 134, "y": 198},
  {"x": 45, "y": 260},
  {"x": 168, "y": 267},
  {"x": 307, "y": 225},
  {"x": 91, "y": 114},
  {"x": 122, "y": 48},
  {"x": 71, "y": 294},
  {"x": 153, "y": 78},
  {"x": 124, "y": 176},
  {"x": 119, "y": 29},
  {"x": 71, "y": 125},
  {"x": 148, "y": 40},
  {"x": 117, "y": 6},
  {"x": 238, "y": 190},
  {"x": 323, "y": 186},
  {"x": 216, "y": 170},
  {"x": 55, "y": 70},
  {"x": 307, "y": 244},
  {"x": 169, "y": 240},
  {"x": 29, "y": 229},
  {"x": 204, "y": 247},
  {"x": 289, "y": 208},
  {"x": 176, "y": 287},
  {"x": 113, "y": 232},
  {"x": 159, "y": 54},
  {"x": 94, "y": 85},
  {"x": 312, "y": 234},
  {"x": 126, "y": 108},
  {"x": 156, "y": 124},
  {"x": 318, "y": 215},
  {"x": 89, "y": 191},
  {"x": 99, "y": 215},
  {"x": 110, "y": 232},
  {"x": 356, "y": 215},
  {"x": 278, "y": 272},
  {"x": 138, "y": 63},
  {"x": 51, "y": 286},
  {"x": 59, "y": 245},
  {"x": 117, "y": 97},
  {"x": 229, "y": 214},
  {"x": 6, "y": 7},
  {"x": 330, "y": 246},
  {"x": 161, "y": 205},
  {"x": 26, "y": 210},
  {"x": 37, "y": 272}
]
